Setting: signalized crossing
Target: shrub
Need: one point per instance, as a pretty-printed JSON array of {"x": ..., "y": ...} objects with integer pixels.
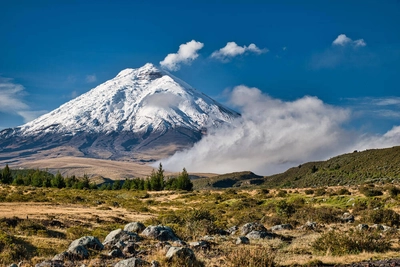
[
  {"x": 14, "y": 249},
  {"x": 251, "y": 257},
  {"x": 393, "y": 191},
  {"x": 320, "y": 192},
  {"x": 343, "y": 191},
  {"x": 309, "y": 191},
  {"x": 281, "y": 193},
  {"x": 383, "y": 216},
  {"x": 370, "y": 192},
  {"x": 337, "y": 243}
]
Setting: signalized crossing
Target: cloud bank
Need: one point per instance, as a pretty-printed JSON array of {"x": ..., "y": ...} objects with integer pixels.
[
  {"x": 273, "y": 135},
  {"x": 11, "y": 100},
  {"x": 186, "y": 54},
  {"x": 232, "y": 50}
]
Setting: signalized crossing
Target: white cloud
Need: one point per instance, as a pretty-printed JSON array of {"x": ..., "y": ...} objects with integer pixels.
[
  {"x": 232, "y": 49},
  {"x": 11, "y": 100},
  {"x": 91, "y": 78},
  {"x": 11, "y": 96},
  {"x": 186, "y": 53},
  {"x": 273, "y": 135},
  {"x": 343, "y": 40},
  {"x": 30, "y": 115}
]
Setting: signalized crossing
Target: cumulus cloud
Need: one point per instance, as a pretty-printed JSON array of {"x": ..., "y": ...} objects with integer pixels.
[
  {"x": 11, "y": 100},
  {"x": 343, "y": 40},
  {"x": 91, "y": 78},
  {"x": 232, "y": 50},
  {"x": 186, "y": 54},
  {"x": 273, "y": 135}
]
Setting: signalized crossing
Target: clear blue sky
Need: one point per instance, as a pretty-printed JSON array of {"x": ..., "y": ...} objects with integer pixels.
[{"x": 52, "y": 51}]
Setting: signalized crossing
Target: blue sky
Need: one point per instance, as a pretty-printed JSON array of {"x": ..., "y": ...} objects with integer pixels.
[{"x": 52, "y": 51}]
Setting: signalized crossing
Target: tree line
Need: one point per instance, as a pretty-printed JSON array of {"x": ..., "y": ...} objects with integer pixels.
[{"x": 39, "y": 178}]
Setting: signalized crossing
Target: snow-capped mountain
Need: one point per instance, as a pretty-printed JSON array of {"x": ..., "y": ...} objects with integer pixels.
[{"x": 140, "y": 109}]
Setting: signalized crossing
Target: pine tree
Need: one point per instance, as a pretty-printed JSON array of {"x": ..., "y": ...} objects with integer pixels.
[
  {"x": 6, "y": 177},
  {"x": 184, "y": 182},
  {"x": 58, "y": 181}
]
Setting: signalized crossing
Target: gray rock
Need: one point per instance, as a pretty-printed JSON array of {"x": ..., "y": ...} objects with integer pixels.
[
  {"x": 200, "y": 245},
  {"x": 116, "y": 253},
  {"x": 87, "y": 242},
  {"x": 347, "y": 217},
  {"x": 259, "y": 235},
  {"x": 160, "y": 232},
  {"x": 63, "y": 256},
  {"x": 130, "y": 248},
  {"x": 135, "y": 227},
  {"x": 378, "y": 227},
  {"x": 155, "y": 264},
  {"x": 242, "y": 240},
  {"x": 50, "y": 264},
  {"x": 13, "y": 265},
  {"x": 248, "y": 227},
  {"x": 280, "y": 227},
  {"x": 309, "y": 226},
  {"x": 132, "y": 262},
  {"x": 77, "y": 253},
  {"x": 181, "y": 253},
  {"x": 232, "y": 230},
  {"x": 362, "y": 227},
  {"x": 119, "y": 235}
]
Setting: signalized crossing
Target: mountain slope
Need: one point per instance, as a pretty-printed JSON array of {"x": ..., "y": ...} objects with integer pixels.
[
  {"x": 140, "y": 110},
  {"x": 352, "y": 168}
]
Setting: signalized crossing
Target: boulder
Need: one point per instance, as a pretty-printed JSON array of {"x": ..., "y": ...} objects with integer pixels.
[
  {"x": 181, "y": 254},
  {"x": 160, "y": 232},
  {"x": 129, "y": 248},
  {"x": 63, "y": 256},
  {"x": 248, "y": 227},
  {"x": 378, "y": 227},
  {"x": 232, "y": 230},
  {"x": 135, "y": 227},
  {"x": 155, "y": 264},
  {"x": 132, "y": 262},
  {"x": 13, "y": 265},
  {"x": 347, "y": 217},
  {"x": 362, "y": 227},
  {"x": 116, "y": 253},
  {"x": 281, "y": 227},
  {"x": 242, "y": 240},
  {"x": 309, "y": 226},
  {"x": 87, "y": 242},
  {"x": 77, "y": 253},
  {"x": 260, "y": 235},
  {"x": 119, "y": 235},
  {"x": 200, "y": 245}
]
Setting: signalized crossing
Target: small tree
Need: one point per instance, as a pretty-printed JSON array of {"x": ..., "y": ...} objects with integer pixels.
[
  {"x": 6, "y": 177},
  {"x": 157, "y": 179},
  {"x": 184, "y": 182},
  {"x": 58, "y": 181}
]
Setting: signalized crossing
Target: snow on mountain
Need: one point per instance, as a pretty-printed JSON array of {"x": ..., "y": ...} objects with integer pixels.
[
  {"x": 135, "y": 100},
  {"x": 138, "y": 109}
]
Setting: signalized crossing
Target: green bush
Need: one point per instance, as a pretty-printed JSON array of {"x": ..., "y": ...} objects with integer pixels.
[{"x": 338, "y": 243}]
